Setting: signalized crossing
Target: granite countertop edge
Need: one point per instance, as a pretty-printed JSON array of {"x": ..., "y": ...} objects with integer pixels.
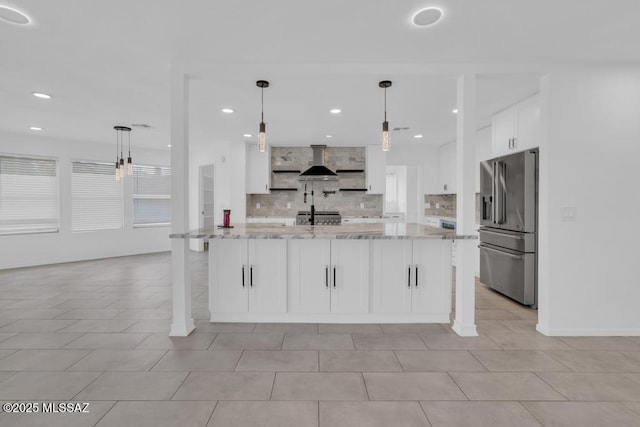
[{"x": 393, "y": 231}]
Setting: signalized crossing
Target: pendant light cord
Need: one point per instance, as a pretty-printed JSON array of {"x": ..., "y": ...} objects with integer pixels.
[
  {"x": 385, "y": 104},
  {"x": 262, "y": 104},
  {"x": 129, "y": 136}
]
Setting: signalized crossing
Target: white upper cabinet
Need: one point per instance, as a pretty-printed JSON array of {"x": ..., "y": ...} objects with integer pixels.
[
  {"x": 517, "y": 128},
  {"x": 258, "y": 170},
  {"x": 528, "y": 124},
  {"x": 376, "y": 171}
]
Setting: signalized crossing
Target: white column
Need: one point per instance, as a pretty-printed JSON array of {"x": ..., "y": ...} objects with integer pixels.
[
  {"x": 464, "y": 323},
  {"x": 182, "y": 324}
]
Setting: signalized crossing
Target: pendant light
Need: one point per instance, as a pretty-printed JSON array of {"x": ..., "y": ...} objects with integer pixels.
[
  {"x": 120, "y": 173},
  {"x": 385, "y": 125},
  {"x": 262, "y": 138}
]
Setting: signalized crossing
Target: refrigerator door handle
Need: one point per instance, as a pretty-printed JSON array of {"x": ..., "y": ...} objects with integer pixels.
[
  {"x": 494, "y": 168},
  {"x": 512, "y": 236},
  {"x": 500, "y": 252},
  {"x": 499, "y": 192}
]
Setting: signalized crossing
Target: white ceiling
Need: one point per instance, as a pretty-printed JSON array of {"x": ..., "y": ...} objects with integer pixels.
[{"x": 108, "y": 62}]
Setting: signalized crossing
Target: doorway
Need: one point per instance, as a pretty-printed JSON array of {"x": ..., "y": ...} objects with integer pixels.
[{"x": 206, "y": 210}]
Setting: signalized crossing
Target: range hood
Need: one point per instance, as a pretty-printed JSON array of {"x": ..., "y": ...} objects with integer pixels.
[{"x": 318, "y": 171}]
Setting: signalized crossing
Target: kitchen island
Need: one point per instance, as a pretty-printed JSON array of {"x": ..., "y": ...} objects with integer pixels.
[{"x": 353, "y": 273}]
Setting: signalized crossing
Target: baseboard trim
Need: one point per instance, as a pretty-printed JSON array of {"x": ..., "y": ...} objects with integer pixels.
[{"x": 587, "y": 332}]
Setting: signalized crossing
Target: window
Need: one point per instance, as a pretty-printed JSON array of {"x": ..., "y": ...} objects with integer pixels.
[
  {"x": 96, "y": 197},
  {"x": 28, "y": 195},
  {"x": 151, "y": 195}
]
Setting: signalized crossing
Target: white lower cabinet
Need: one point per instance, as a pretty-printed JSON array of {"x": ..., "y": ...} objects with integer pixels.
[
  {"x": 411, "y": 276},
  {"x": 247, "y": 276},
  {"x": 328, "y": 276}
]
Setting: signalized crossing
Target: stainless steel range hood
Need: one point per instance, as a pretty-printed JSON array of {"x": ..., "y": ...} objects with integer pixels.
[{"x": 318, "y": 171}]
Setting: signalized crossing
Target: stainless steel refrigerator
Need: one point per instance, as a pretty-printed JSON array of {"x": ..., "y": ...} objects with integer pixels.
[{"x": 509, "y": 224}]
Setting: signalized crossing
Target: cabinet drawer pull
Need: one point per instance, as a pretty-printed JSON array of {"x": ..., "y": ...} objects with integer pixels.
[
  {"x": 334, "y": 276},
  {"x": 416, "y": 276},
  {"x": 251, "y": 275},
  {"x": 243, "y": 275},
  {"x": 409, "y": 277},
  {"x": 326, "y": 276}
]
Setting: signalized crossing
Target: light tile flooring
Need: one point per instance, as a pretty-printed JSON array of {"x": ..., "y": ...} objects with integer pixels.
[{"x": 98, "y": 332}]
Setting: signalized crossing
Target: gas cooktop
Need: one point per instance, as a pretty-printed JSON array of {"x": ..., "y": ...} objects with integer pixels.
[{"x": 320, "y": 218}]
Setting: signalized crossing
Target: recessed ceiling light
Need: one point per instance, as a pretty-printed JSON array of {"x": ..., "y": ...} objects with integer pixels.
[
  {"x": 427, "y": 16},
  {"x": 169, "y": 145},
  {"x": 41, "y": 95},
  {"x": 454, "y": 111},
  {"x": 335, "y": 111},
  {"x": 35, "y": 128},
  {"x": 247, "y": 135},
  {"x": 227, "y": 110},
  {"x": 329, "y": 136},
  {"x": 14, "y": 16},
  {"x": 418, "y": 136}
]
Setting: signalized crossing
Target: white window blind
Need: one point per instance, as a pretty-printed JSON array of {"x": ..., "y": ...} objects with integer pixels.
[
  {"x": 96, "y": 197},
  {"x": 28, "y": 195},
  {"x": 151, "y": 195}
]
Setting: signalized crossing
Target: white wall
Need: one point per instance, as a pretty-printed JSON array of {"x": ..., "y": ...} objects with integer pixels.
[
  {"x": 229, "y": 162},
  {"x": 589, "y": 154},
  {"x": 422, "y": 175},
  {"x": 23, "y": 250}
]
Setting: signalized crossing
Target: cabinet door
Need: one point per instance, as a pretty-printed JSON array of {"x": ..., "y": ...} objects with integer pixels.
[
  {"x": 376, "y": 172},
  {"x": 528, "y": 124},
  {"x": 392, "y": 273},
  {"x": 431, "y": 291},
  {"x": 227, "y": 294},
  {"x": 258, "y": 170},
  {"x": 503, "y": 127},
  {"x": 349, "y": 276},
  {"x": 267, "y": 276},
  {"x": 308, "y": 275}
]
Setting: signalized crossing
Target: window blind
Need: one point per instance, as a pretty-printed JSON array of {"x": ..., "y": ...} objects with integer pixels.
[
  {"x": 151, "y": 195},
  {"x": 96, "y": 197},
  {"x": 28, "y": 195}
]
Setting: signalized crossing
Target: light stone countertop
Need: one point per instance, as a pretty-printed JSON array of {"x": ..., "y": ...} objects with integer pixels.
[{"x": 344, "y": 231}]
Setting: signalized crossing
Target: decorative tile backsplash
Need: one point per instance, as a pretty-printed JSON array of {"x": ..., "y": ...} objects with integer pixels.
[
  {"x": 287, "y": 203},
  {"x": 444, "y": 205}
]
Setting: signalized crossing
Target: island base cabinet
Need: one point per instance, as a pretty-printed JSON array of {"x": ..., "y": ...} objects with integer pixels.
[
  {"x": 247, "y": 276},
  {"x": 350, "y": 276},
  {"x": 432, "y": 293},
  {"x": 308, "y": 265},
  {"x": 328, "y": 276},
  {"x": 411, "y": 276}
]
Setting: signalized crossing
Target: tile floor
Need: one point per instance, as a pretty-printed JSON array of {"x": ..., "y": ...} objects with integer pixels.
[{"x": 97, "y": 332}]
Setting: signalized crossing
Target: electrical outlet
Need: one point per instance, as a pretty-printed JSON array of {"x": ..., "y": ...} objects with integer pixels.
[
  {"x": 568, "y": 213},
  {"x": 288, "y": 205},
  {"x": 437, "y": 205},
  {"x": 361, "y": 205},
  {"x": 427, "y": 205},
  {"x": 257, "y": 205}
]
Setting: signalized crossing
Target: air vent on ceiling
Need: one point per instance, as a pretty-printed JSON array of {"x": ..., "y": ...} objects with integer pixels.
[
  {"x": 397, "y": 129},
  {"x": 141, "y": 125}
]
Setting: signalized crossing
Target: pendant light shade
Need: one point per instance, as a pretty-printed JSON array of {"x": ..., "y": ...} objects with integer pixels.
[
  {"x": 262, "y": 137},
  {"x": 120, "y": 167},
  {"x": 385, "y": 125}
]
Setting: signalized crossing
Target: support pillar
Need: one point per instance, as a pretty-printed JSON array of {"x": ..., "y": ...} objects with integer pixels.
[
  {"x": 182, "y": 324},
  {"x": 464, "y": 323}
]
